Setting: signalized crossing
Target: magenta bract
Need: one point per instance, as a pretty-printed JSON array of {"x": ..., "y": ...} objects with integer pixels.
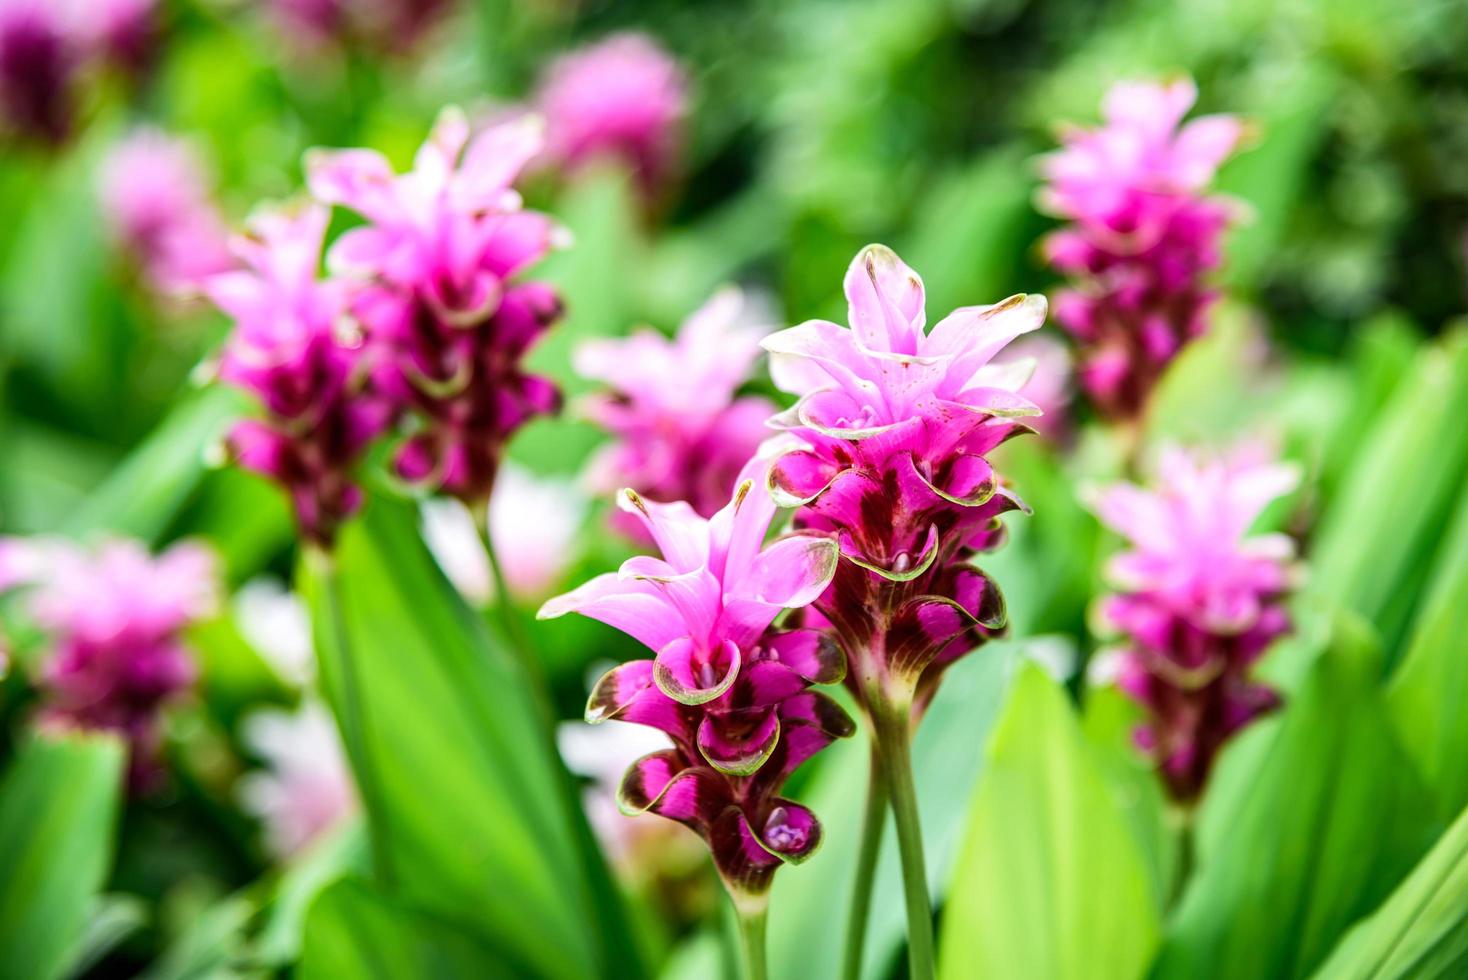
[
  {"x": 731, "y": 694},
  {"x": 1143, "y": 235},
  {"x": 892, "y": 428},
  {"x": 680, "y": 432},
  {"x": 1199, "y": 602},
  {"x": 435, "y": 291}
]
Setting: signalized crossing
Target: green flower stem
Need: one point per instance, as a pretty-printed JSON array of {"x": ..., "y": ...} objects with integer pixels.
[
  {"x": 873, "y": 822},
  {"x": 353, "y": 711},
  {"x": 510, "y": 619},
  {"x": 894, "y": 742},
  {"x": 753, "y": 913},
  {"x": 1182, "y": 819}
]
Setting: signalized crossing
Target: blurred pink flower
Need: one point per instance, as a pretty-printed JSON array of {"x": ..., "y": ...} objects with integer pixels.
[
  {"x": 603, "y": 754},
  {"x": 156, "y": 198},
  {"x": 733, "y": 697},
  {"x": 384, "y": 25},
  {"x": 534, "y": 523},
  {"x": 681, "y": 434},
  {"x": 1142, "y": 238},
  {"x": 288, "y": 350},
  {"x": 890, "y": 436},
  {"x": 623, "y": 98},
  {"x": 434, "y": 270},
  {"x": 115, "y": 617},
  {"x": 39, "y": 60},
  {"x": 1200, "y": 601},
  {"x": 306, "y": 788},
  {"x": 275, "y": 621},
  {"x": 124, "y": 32}
]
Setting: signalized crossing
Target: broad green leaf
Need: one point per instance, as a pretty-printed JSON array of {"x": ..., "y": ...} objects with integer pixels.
[
  {"x": 460, "y": 787},
  {"x": 58, "y": 807},
  {"x": 1426, "y": 696},
  {"x": 1377, "y": 538},
  {"x": 1422, "y": 930},
  {"x": 283, "y": 931},
  {"x": 1051, "y": 881},
  {"x": 1383, "y": 351},
  {"x": 1310, "y": 819},
  {"x": 357, "y": 930},
  {"x": 144, "y": 494},
  {"x": 811, "y": 900}
]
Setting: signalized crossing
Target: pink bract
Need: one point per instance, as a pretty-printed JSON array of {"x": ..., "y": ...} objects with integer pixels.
[{"x": 1199, "y": 601}]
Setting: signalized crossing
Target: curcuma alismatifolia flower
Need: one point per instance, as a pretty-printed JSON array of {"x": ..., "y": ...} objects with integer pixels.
[
  {"x": 1143, "y": 235},
  {"x": 155, "y": 198},
  {"x": 1200, "y": 600},
  {"x": 306, "y": 789},
  {"x": 115, "y": 617},
  {"x": 436, "y": 292},
  {"x": 623, "y": 98},
  {"x": 732, "y": 694},
  {"x": 681, "y": 434},
  {"x": 894, "y": 424},
  {"x": 291, "y": 349},
  {"x": 39, "y": 60}
]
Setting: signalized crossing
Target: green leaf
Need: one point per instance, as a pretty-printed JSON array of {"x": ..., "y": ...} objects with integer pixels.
[
  {"x": 58, "y": 808},
  {"x": 356, "y": 930},
  {"x": 1051, "y": 881},
  {"x": 283, "y": 931},
  {"x": 1425, "y": 697},
  {"x": 1310, "y": 819},
  {"x": 460, "y": 788},
  {"x": 1377, "y": 539},
  {"x": 1422, "y": 930},
  {"x": 144, "y": 494}
]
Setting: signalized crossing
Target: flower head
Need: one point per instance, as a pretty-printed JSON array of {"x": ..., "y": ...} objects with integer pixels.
[
  {"x": 156, "y": 199},
  {"x": 623, "y": 98},
  {"x": 307, "y": 788},
  {"x": 39, "y": 60},
  {"x": 289, "y": 350},
  {"x": 731, "y": 695},
  {"x": 681, "y": 433},
  {"x": 1199, "y": 602},
  {"x": 436, "y": 293},
  {"x": 893, "y": 424},
  {"x": 1142, "y": 237},
  {"x": 115, "y": 616}
]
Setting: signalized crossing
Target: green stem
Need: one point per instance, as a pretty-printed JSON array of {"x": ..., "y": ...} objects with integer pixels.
[
  {"x": 895, "y": 744},
  {"x": 753, "y": 913},
  {"x": 354, "y": 717},
  {"x": 872, "y": 824},
  {"x": 1182, "y": 817},
  {"x": 504, "y": 604}
]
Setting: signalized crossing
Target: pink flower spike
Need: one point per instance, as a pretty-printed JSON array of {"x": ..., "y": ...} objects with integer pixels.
[
  {"x": 731, "y": 695},
  {"x": 681, "y": 434},
  {"x": 623, "y": 98},
  {"x": 39, "y": 62},
  {"x": 115, "y": 618},
  {"x": 155, "y": 197},
  {"x": 1200, "y": 599},
  {"x": 887, "y": 454},
  {"x": 1142, "y": 238}
]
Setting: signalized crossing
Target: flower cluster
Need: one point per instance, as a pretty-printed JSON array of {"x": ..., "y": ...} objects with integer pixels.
[
  {"x": 434, "y": 290},
  {"x": 894, "y": 424},
  {"x": 731, "y": 694},
  {"x": 307, "y": 789},
  {"x": 290, "y": 349},
  {"x": 155, "y": 197},
  {"x": 1200, "y": 601},
  {"x": 1142, "y": 238},
  {"x": 623, "y": 98},
  {"x": 681, "y": 433},
  {"x": 45, "y": 45},
  {"x": 114, "y": 616}
]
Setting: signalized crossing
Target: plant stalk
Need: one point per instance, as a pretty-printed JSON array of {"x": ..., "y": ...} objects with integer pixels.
[
  {"x": 873, "y": 822},
  {"x": 894, "y": 742},
  {"x": 753, "y": 914}
]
